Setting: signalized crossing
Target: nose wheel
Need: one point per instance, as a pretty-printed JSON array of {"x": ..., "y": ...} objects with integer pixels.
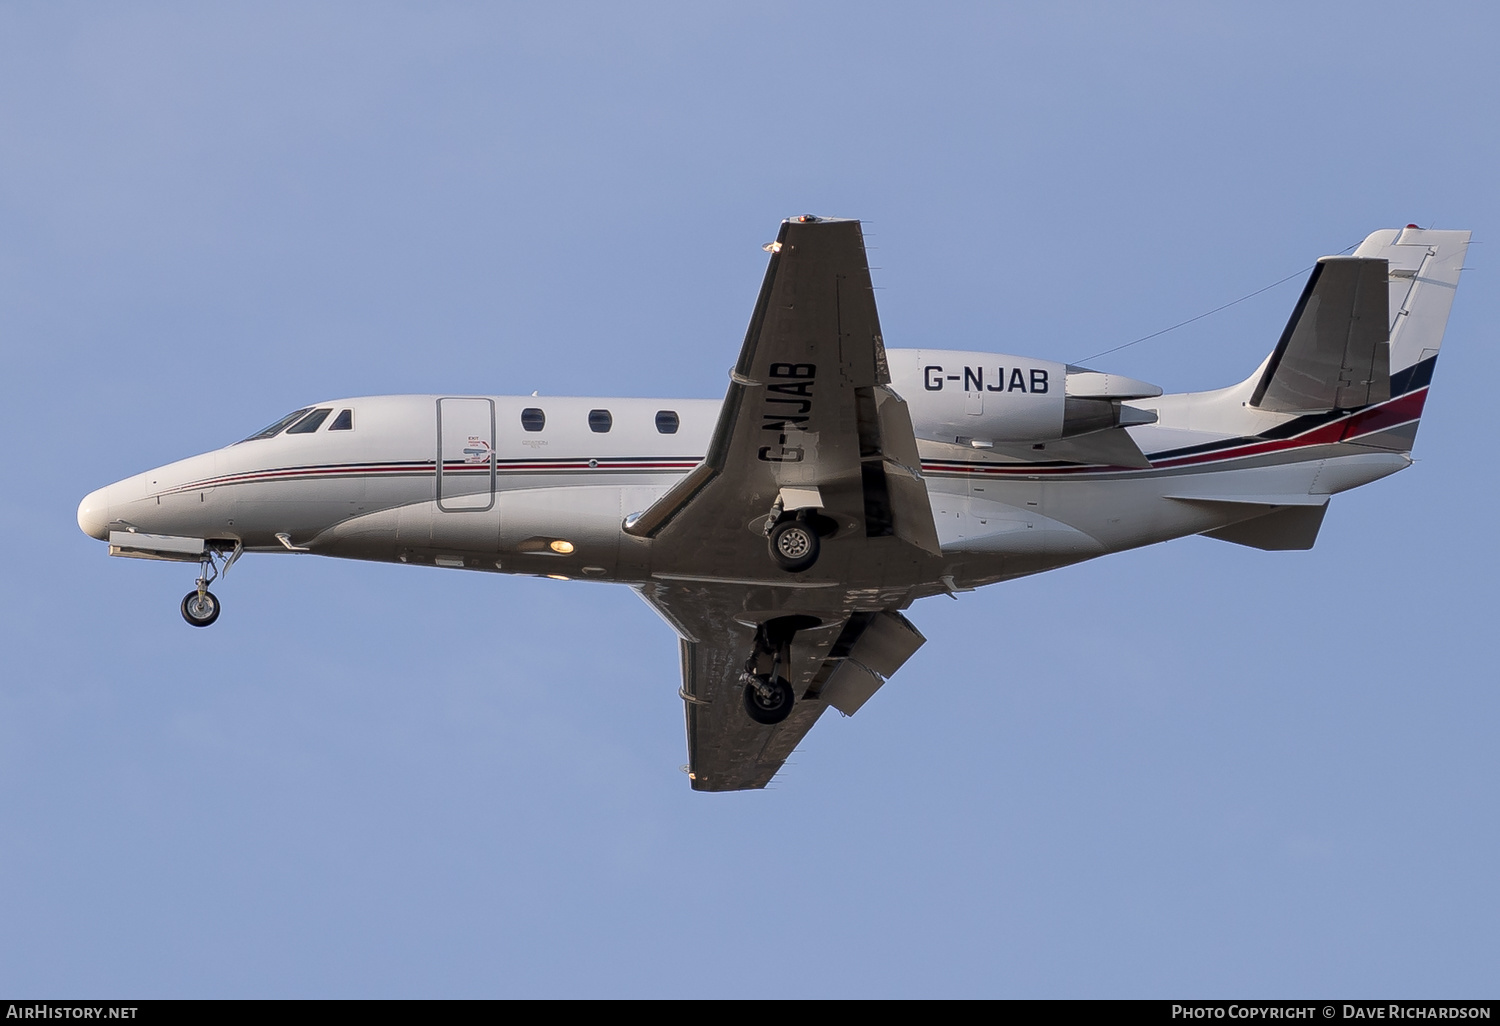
[{"x": 200, "y": 608}]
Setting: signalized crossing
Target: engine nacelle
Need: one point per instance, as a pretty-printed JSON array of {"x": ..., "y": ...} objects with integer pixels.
[{"x": 983, "y": 398}]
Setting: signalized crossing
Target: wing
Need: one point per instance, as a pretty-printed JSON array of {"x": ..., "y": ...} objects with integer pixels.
[
  {"x": 809, "y": 422},
  {"x": 809, "y": 418},
  {"x": 839, "y": 664}
]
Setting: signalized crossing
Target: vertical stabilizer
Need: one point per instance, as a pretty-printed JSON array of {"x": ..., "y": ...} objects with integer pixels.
[
  {"x": 1424, "y": 267},
  {"x": 1333, "y": 354},
  {"x": 1364, "y": 337}
]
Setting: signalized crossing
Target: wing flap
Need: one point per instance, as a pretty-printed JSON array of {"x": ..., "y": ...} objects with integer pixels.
[
  {"x": 911, "y": 509},
  {"x": 885, "y": 643}
]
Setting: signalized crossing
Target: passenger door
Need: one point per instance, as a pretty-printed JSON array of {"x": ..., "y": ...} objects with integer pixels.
[{"x": 466, "y": 454}]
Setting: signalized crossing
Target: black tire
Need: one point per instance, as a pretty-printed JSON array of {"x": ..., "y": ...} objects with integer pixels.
[
  {"x": 794, "y": 545},
  {"x": 200, "y": 614},
  {"x": 770, "y": 711}
]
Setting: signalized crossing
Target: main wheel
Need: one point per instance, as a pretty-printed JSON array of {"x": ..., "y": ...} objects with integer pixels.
[
  {"x": 769, "y": 701},
  {"x": 794, "y": 545},
  {"x": 200, "y": 611}
]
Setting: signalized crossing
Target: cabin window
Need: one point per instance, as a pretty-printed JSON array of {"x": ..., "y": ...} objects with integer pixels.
[
  {"x": 343, "y": 422},
  {"x": 276, "y": 428},
  {"x": 666, "y": 422},
  {"x": 310, "y": 423},
  {"x": 600, "y": 421},
  {"x": 533, "y": 419}
]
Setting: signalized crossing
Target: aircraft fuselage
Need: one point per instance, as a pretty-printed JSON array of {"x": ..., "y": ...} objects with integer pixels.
[{"x": 520, "y": 473}]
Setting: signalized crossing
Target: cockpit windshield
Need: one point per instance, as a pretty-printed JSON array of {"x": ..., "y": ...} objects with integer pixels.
[
  {"x": 310, "y": 423},
  {"x": 278, "y": 427}
]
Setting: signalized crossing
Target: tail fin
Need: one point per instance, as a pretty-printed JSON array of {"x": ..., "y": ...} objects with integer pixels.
[
  {"x": 1353, "y": 345},
  {"x": 1333, "y": 354},
  {"x": 1424, "y": 268}
]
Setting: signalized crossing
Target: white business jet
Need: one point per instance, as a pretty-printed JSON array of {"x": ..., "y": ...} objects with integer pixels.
[{"x": 781, "y": 531}]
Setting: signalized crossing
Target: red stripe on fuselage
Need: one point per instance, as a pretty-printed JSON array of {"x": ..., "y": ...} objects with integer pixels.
[
  {"x": 1401, "y": 410},
  {"x": 422, "y": 469}
]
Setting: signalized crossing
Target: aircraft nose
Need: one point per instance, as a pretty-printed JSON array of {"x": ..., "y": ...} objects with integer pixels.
[{"x": 93, "y": 514}]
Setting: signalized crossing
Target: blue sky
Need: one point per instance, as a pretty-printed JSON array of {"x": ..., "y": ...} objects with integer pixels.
[{"x": 1187, "y": 771}]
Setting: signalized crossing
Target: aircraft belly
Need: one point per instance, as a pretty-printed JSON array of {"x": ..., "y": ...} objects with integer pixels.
[
  {"x": 985, "y": 526},
  {"x": 588, "y": 517},
  {"x": 516, "y": 535},
  {"x": 1123, "y": 513},
  {"x": 298, "y": 509},
  {"x": 375, "y": 535},
  {"x": 1345, "y": 472}
]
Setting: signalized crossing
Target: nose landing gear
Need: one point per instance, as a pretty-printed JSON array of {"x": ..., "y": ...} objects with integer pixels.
[{"x": 200, "y": 607}]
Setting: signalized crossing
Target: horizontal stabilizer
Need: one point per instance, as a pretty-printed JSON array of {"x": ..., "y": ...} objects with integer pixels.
[
  {"x": 1284, "y": 529},
  {"x": 1335, "y": 351}
]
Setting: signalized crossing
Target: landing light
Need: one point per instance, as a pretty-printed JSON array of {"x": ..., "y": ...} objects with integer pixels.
[{"x": 562, "y": 548}]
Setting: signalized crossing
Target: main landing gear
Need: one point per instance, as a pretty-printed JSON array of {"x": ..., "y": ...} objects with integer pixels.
[
  {"x": 768, "y": 695},
  {"x": 794, "y": 545},
  {"x": 768, "y": 699},
  {"x": 794, "y": 537},
  {"x": 200, "y": 607}
]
